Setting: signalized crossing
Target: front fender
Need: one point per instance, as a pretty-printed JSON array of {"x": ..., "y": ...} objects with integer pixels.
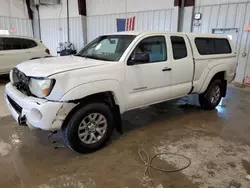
[
  {"x": 212, "y": 72},
  {"x": 95, "y": 87}
]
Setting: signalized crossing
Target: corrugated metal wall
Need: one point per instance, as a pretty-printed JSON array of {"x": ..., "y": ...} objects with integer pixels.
[
  {"x": 213, "y": 2},
  {"x": 54, "y": 31},
  {"x": 145, "y": 20},
  {"x": 22, "y": 27},
  {"x": 231, "y": 15},
  {"x": 104, "y": 7}
]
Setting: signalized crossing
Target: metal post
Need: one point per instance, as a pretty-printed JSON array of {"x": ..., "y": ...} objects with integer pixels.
[
  {"x": 192, "y": 21},
  {"x": 68, "y": 21},
  {"x": 181, "y": 15},
  {"x": 39, "y": 21}
]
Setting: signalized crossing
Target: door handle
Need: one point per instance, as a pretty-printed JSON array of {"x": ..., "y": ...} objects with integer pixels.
[{"x": 166, "y": 69}]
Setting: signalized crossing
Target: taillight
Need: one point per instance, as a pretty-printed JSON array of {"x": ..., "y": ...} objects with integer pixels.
[{"x": 47, "y": 51}]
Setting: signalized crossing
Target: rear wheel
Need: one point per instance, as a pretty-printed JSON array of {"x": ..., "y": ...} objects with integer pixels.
[
  {"x": 212, "y": 96},
  {"x": 89, "y": 128}
]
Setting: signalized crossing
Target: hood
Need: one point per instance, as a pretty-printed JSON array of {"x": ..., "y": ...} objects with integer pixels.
[{"x": 45, "y": 67}]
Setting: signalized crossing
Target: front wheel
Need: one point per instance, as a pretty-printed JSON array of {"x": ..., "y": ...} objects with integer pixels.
[
  {"x": 89, "y": 128},
  {"x": 212, "y": 96}
]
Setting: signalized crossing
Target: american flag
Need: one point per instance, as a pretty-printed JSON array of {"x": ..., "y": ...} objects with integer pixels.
[{"x": 125, "y": 24}]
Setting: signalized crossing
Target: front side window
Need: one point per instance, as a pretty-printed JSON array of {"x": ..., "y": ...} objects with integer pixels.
[
  {"x": 108, "y": 48},
  {"x": 12, "y": 44},
  {"x": 154, "y": 47},
  {"x": 179, "y": 47}
]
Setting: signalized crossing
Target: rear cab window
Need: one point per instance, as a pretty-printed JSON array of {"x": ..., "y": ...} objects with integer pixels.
[
  {"x": 212, "y": 46},
  {"x": 179, "y": 47}
]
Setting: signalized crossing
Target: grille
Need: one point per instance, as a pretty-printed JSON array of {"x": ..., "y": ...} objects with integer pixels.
[
  {"x": 15, "y": 105},
  {"x": 21, "y": 81}
]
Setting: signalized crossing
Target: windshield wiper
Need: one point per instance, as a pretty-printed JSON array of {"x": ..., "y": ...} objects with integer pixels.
[
  {"x": 84, "y": 56},
  {"x": 95, "y": 57},
  {"x": 78, "y": 55},
  {"x": 92, "y": 57}
]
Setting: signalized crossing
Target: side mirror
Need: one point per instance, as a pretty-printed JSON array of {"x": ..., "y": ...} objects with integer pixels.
[
  {"x": 139, "y": 58},
  {"x": 112, "y": 41}
]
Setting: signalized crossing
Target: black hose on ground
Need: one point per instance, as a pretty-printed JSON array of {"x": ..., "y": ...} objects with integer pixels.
[{"x": 148, "y": 163}]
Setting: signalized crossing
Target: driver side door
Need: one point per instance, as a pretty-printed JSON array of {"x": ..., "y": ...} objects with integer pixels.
[{"x": 149, "y": 82}]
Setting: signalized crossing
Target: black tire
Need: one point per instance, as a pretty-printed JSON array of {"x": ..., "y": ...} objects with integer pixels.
[
  {"x": 70, "y": 131},
  {"x": 205, "y": 98}
]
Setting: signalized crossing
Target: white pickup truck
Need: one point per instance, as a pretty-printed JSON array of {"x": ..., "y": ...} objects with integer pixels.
[{"x": 84, "y": 95}]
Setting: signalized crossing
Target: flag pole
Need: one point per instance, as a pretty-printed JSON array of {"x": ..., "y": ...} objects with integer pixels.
[{"x": 126, "y": 1}]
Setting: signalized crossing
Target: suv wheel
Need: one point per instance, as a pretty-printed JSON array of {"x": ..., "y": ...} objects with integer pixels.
[
  {"x": 89, "y": 128},
  {"x": 212, "y": 96}
]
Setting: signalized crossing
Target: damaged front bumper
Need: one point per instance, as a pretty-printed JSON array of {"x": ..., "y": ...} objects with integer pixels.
[{"x": 35, "y": 112}]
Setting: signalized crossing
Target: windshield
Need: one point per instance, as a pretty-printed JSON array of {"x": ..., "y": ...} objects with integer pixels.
[{"x": 108, "y": 48}]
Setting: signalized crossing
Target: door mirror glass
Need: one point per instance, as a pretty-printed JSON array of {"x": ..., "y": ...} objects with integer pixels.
[{"x": 139, "y": 58}]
